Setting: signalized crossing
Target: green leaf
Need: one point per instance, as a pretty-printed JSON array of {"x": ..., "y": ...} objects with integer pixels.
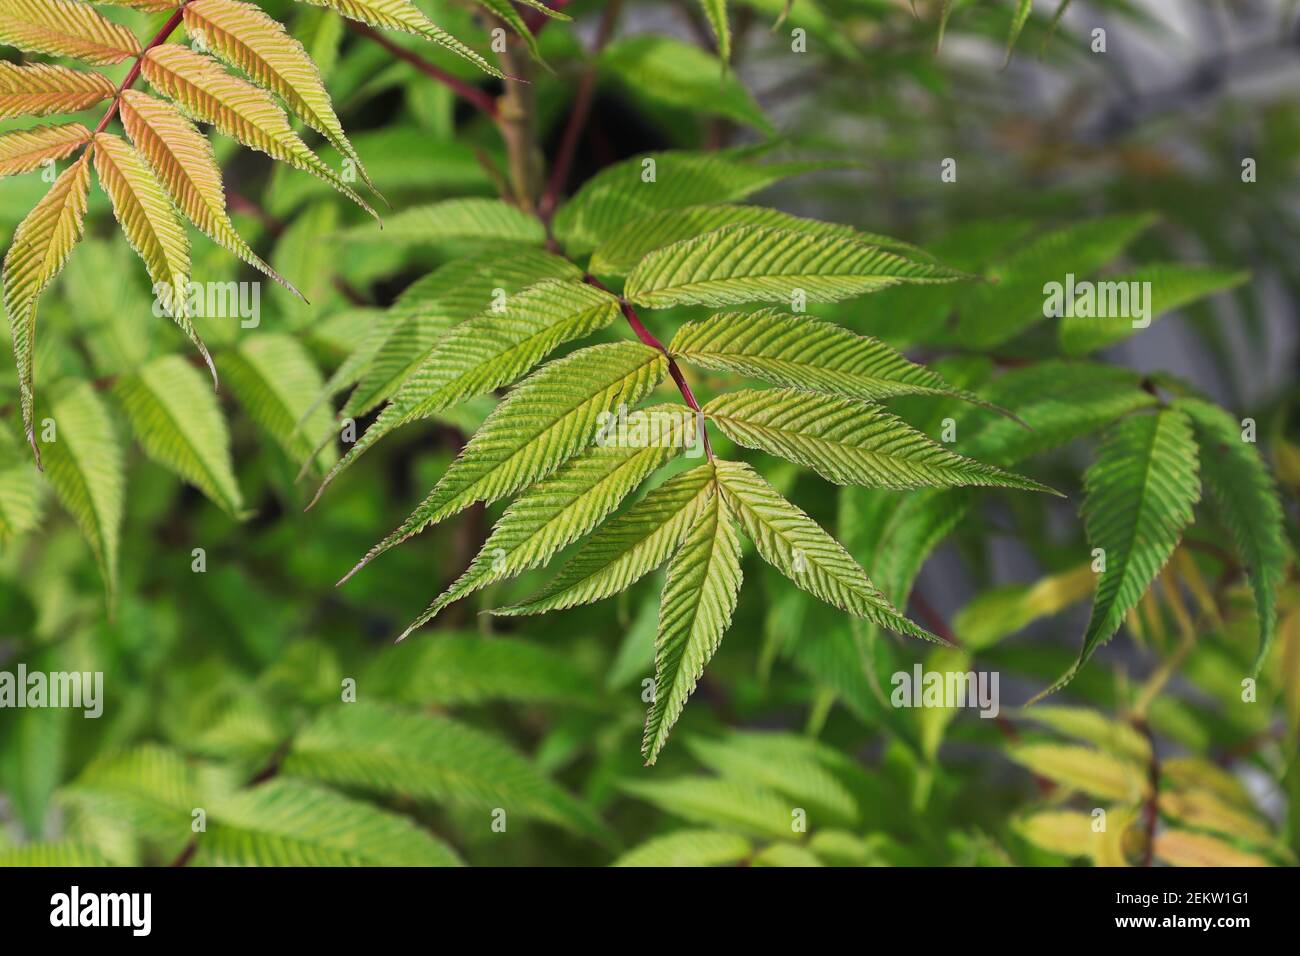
[
  {"x": 795, "y": 767},
  {"x": 629, "y": 245},
  {"x": 275, "y": 377},
  {"x": 688, "y": 848},
  {"x": 1171, "y": 287},
  {"x": 472, "y": 669},
  {"x": 63, "y": 853},
  {"x": 405, "y": 16},
  {"x": 1059, "y": 401},
  {"x": 627, "y": 191},
  {"x": 289, "y": 823},
  {"x": 470, "y": 219},
  {"x": 177, "y": 421},
  {"x": 786, "y": 854},
  {"x": 1084, "y": 769},
  {"x": 695, "y": 611},
  {"x": 627, "y": 548},
  {"x": 738, "y": 264},
  {"x": 430, "y": 758},
  {"x": 488, "y": 351},
  {"x": 848, "y": 442},
  {"x": 441, "y": 300},
  {"x": 681, "y": 75},
  {"x": 83, "y": 462},
  {"x": 1093, "y": 727},
  {"x": 716, "y": 11},
  {"x": 559, "y": 510},
  {"x": 1001, "y": 611},
  {"x": 507, "y": 14},
  {"x": 1246, "y": 498},
  {"x": 543, "y": 423},
  {"x": 1015, "y": 297},
  {"x": 726, "y": 804},
  {"x": 20, "y": 492},
  {"x": 796, "y": 546},
  {"x": 797, "y": 351},
  {"x": 1139, "y": 496},
  {"x": 1023, "y": 9}
]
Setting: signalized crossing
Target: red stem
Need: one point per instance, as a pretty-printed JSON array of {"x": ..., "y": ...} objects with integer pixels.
[
  {"x": 133, "y": 74},
  {"x": 470, "y": 94},
  {"x": 648, "y": 337}
]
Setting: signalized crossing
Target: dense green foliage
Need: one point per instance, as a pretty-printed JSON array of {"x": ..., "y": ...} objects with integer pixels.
[{"x": 670, "y": 461}]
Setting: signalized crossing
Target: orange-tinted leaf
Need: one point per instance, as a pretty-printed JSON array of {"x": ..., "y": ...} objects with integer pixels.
[
  {"x": 65, "y": 28},
  {"x": 42, "y": 243},
  {"x": 152, "y": 227},
  {"x": 181, "y": 157},
  {"x": 26, "y": 149},
  {"x": 242, "y": 111},
  {"x": 39, "y": 89}
]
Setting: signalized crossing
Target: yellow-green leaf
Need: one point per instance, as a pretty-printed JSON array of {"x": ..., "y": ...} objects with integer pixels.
[
  {"x": 65, "y": 28},
  {"x": 182, "y": 159},
  {"x": 152, "y": 227},
  {"x": 23, "y": 150},
  {"x": 39, "y": 89},
  {"x": 41, "y": 245}
]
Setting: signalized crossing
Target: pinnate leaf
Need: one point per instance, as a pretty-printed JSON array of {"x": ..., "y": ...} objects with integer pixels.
[
  {"x": 23, "y": 150},
  {"x": 40, "y": 248},
  {"x": 797, "y": 546},
  {"x": 739, "y": 264},
  {"x": 1139, "y": 496},
  {"x": 1246, "y": 497},
  {"x": 488, "y": 351},
  {"x": 699, "y": 599},
  {"x": 176, "y": 419},
  {"x": 798, "y": 351},
  {"x": 182, "y": 159},
  {"x": 152, "y": 227},
  {"x": 626, "y": 548},
  {"x": 405, "y": 16},
  {"x": 236, "y": 108},
  {"x": 244, "y": 37},
  {"x": 848, "y": 442},
  {"x": 543, "y": 423},
  {"x": 559, "y": 510},
  {"x": 65, "y": 28},
  {"x": 39, "y": 89}
]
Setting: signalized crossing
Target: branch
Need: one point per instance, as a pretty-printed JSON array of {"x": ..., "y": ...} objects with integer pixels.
[
  {"x": 517, "y": 112},
  {"x": 159, "y": 38},
  {"x": 578, "y": 114},
  {"x": 470, "y": 94},
  {"x": 648, "y": 337}
]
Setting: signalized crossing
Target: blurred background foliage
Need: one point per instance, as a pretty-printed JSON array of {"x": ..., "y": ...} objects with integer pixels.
[{"x": 234, "y": 674}]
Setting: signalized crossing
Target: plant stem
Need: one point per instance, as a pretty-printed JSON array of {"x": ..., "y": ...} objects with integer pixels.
[
  {"x": 578, "y": 114},
  {"x": 159, "y": 38},
  {"x": 648, "y": 337},
  {"x": 470, "y": 94},
  {"x": 1151, "y": 811},
  {"x": 517, "y": 112}
]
